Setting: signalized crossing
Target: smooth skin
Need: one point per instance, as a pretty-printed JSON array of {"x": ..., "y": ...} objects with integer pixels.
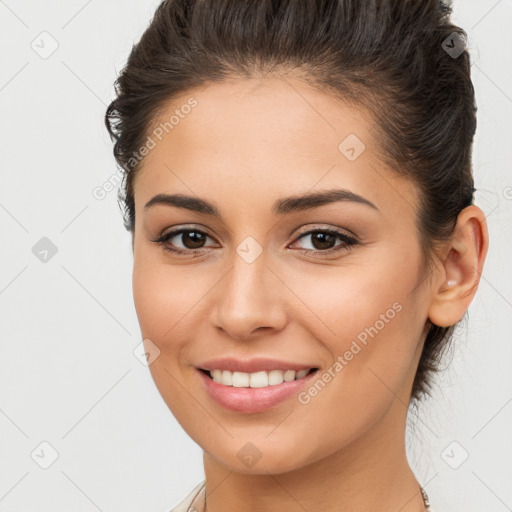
[{"x": 245, "y": 145}]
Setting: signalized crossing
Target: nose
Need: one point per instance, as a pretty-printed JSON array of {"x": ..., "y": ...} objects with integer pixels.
[{"x": 249, "y": 300}]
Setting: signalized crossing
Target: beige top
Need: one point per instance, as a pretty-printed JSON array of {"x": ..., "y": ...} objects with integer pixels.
[{"x": 194, "y": 502}]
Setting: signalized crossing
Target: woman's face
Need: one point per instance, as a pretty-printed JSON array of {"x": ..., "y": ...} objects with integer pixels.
[{"x": 263, "y": 279}]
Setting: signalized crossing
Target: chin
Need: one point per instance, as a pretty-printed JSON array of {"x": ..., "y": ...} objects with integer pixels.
[{"x": 259, "y": 456}]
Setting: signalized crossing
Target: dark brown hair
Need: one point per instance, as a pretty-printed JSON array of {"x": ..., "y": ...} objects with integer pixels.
[{"x": 397, "y": 59}]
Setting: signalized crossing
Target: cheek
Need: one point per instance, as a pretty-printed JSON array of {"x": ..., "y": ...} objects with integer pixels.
[
  {"x": 162, "y": 295},
  {"x": 368, "y": 358},
  {"x": 339, "y": 304},
  {"x": 368, "y": 319},
  {"x": 162, "y": 303}
]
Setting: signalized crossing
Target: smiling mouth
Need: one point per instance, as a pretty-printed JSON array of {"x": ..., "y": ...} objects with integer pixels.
[{"x": 259, "y": 379}]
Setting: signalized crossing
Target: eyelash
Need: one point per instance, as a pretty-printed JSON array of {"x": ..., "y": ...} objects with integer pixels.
[{"x": 347, "y": 241}]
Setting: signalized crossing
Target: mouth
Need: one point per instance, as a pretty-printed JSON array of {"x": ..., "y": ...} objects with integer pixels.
[
  {"x": 257, "y": 392},
  {"x": 260, "y": 379}
]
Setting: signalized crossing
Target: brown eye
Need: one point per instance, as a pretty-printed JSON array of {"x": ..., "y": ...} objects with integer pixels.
[
  {"x": 324, "y": 241},
  {"x": 191, "y": 240}
]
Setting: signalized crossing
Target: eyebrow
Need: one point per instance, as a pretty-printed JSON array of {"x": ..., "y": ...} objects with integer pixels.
[{"x": 283, "y": 206}]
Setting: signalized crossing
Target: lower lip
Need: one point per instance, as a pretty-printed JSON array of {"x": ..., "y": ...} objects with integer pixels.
[{"x": 252, "y": 400}]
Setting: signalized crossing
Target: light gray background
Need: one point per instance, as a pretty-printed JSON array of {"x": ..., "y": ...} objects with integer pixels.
[{"x": 68, "y": 375}]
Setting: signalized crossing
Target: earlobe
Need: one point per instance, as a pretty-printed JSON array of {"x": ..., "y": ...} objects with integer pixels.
[{"x": 461, "y": 269}]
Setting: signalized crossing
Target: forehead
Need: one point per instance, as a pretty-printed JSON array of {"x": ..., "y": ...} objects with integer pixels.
[{"x": 265, "y": 138}]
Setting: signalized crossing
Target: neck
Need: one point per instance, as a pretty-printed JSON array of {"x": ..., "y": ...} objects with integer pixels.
[{"x": 372, "y": 473}]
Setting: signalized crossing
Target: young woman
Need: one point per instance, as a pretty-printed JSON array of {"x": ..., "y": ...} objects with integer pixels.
[{"x": 299, "y": 192}]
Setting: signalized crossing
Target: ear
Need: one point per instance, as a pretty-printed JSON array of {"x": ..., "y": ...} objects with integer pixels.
[{"x": 461, "y": 267}]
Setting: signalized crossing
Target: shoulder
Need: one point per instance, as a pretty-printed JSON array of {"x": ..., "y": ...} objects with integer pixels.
[{"x": 184, "y": 505}]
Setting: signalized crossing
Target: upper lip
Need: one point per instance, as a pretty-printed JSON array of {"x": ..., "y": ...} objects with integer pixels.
[{"x": 251, "y": 365}]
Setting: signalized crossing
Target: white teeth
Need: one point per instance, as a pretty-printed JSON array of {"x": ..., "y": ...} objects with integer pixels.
[
  {"x": 289, "y": 375},
  {"x": 258, "y": 379},
  {"x": 240, "y": 379},
  {"x": 275, "y": 377},
  {"x": 227, "y": 378},
  {"x": 301, "y": 373}
]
